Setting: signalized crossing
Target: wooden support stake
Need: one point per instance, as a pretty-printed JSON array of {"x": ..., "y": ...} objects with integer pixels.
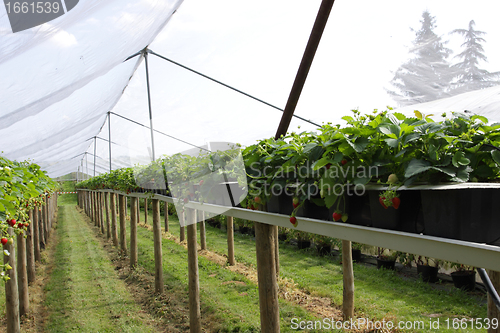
[
  {"x": 166, "y": 217},
  {"x": 276, "y": 249},
  {"x": 108, "y": 222},
  {"x": 157, "y": 246},
  {"x": 348, "y": 276},
  {"x": 492, "y": 309},
  {"x": 11, "y": 289},
  {"x": 114, "y": 228},
  {"x": 22, "y": 276},
  {"x": 122, "y": 212},
  {"x": 145, "y": 211},
  {"x": 41, "y": 232},
  {"x": 36, "y": 234},
  {"x": 182, "y": 223},
  {"x": 266, "y": 273},
  {"x": 230, "y": 241},
  {"x": 101, "y": 212},
  {"x": 194, "y": 283},
  {"x": 133, "y": 232},
  {"x": 30, "y": 248},
  {"x": 45, "y": 222},
  {"x": 203, "y": 236}
]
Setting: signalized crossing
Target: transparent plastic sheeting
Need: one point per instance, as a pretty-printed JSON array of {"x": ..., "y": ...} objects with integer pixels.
[
  {"x": 61, "y": 78},
  {"x": 217, "y": 176}
]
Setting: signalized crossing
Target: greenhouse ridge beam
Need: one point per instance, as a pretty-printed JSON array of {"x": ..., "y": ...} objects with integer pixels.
[
  {"x": 228, "y": 86},
  {"x": 305, "y": 65}
]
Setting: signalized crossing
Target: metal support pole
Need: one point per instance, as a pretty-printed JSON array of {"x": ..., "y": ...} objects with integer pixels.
[
  {"x": 305, "y": 65},
  {"x": 145, "y": 53},
  {"x": 109, "y": 136},
  {"x": 95, "y": 148}
]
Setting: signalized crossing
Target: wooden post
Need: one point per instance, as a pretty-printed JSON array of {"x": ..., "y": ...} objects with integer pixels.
[
  {"x": 108, "y": 222},
  {"x": 182, "y": 222},
  {"x": 11, "y": 289},
  {"x": 138, "y": 207},
  {"x": 47, "y": 218},
  {"x": 133, "y": 232},
  {"x": 203, "y": 237},
  {"x": 114, "y": 229},
  {"x": 157, "y": 246},
  {"x": 101, "y": 212},
  {"x": 41, "y": 232},
  {"x": 266, "y": 273},
  {"x": 194, "y": 283},
  {"x": 123, "y": 240},
  {"x": 30, "y": 245},
  {"x": 230, "y": 241},
  {"x": 276, "y": 249},
  {"x": 45, "y": 221},
  {"x": 348, "y": 276},
  {"x": 166, "y": 217},
  {"x": 145, "y": 211},
  {"x": 22, "y": 275},
  {"x": 492, "y": 309},
  {"x": 36, "y": 235}
]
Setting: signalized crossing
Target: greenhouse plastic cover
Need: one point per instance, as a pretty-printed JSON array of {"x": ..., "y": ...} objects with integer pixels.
[{"x": 59, "y": 79}]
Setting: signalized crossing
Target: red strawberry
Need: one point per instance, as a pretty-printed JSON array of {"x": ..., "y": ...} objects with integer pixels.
[
  {"x": 336, "y": 216},
  {"x": 295, "y": 205},
  {"x": 257, "y": 199},
  {"x": 12, "y": 222},
  {"x": 4, "y": 240},
  {"x": 328, "y": 166},
  {"x": 186, "y": 200},
  {"x": 395, "y": 202},
  {"x": 344, "y": 162},
  {"x": 293, "y": 220},
  {"x": 20, "y": 225},
  {"x": 381, "y": 200}
]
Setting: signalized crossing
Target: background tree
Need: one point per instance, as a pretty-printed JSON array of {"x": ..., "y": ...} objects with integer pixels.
[
  {"x": 469, "y": 76},
  {"x": 427, "y": 75}
]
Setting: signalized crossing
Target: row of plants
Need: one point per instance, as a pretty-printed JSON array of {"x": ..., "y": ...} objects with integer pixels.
[{"x": 23, "y": 186}]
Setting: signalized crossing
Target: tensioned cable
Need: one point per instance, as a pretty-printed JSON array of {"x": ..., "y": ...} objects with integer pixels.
[
  {"x": 167, "y": 135},
  {"x": 227, "y": 86}
]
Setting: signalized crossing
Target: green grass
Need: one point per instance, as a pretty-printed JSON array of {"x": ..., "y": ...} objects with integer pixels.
[
  {"x": 378, "y": 293},
  {"x": 84, "y": 293}
]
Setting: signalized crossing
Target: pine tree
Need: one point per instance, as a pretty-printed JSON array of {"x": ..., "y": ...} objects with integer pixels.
[
  {"x": 469, "y": 75},
  {"x": 427, "y": 75}
]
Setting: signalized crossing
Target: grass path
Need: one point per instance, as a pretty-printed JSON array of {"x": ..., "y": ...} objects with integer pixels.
[{"x": 84, "y": 293}]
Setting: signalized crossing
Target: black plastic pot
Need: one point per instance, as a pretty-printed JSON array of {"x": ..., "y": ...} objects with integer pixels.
[
  {"x": 428, "y": 273},
  {"x": 303, "y": 244},
  {"x": 465, "y": 280},
  {"x": 386, "y": 264},
  {"x": 356, "y": 254},
  {"x": 324, "y": 249},
  {"x": 469, "y": 214}
]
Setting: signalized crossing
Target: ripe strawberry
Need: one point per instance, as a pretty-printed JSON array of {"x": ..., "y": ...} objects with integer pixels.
[
  {"x": 4, "y": 240},
  {"x": 336, "y": 216},
  {"x": 257, "y": 200},
  {"x": 395, "y": 202},
  {"x": 12, "y": 222},
  {"x": 381, "y": 200},
  {"x": 20, "y": 225},
  {"x": 328, "y": 166},
  {"x": 293, "y": 220},
  {"x": 344, "y": 162}
]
